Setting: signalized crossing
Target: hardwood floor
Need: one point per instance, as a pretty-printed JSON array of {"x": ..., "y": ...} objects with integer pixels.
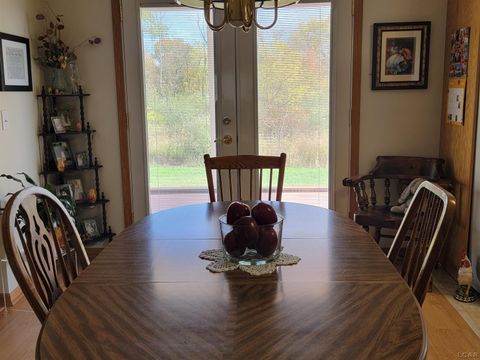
[
  {"x": 449, "y": 335},
  {"x": 19, "y": 328}
]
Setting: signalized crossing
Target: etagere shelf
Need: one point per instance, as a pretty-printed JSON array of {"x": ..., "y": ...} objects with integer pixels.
[{"x": 51, "y": 173}]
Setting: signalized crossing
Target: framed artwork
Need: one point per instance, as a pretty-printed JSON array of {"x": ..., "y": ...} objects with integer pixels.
[
  {"x": 62, "y": 155},
  {"x": 64, "y": 190},
  {"x": 15, "y": 64},
  {"x": 400, "y": 55},
  {"x": 77, "y": 186},
  {"x": 58, "y": 123},
  {"x": 67, "y": 122},
  {"x": 90, "y": 228},
  {"x": 81, "y": 160}
]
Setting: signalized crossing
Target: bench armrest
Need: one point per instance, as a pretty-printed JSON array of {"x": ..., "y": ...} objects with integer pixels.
[{"x": 355, "y": 180}]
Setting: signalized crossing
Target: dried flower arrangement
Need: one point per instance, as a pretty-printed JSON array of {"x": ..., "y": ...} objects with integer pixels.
[{"x": 53, "y": 52}]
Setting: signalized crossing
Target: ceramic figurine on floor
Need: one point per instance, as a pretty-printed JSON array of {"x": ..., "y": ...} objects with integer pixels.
[{"x": 465, "y": 292}]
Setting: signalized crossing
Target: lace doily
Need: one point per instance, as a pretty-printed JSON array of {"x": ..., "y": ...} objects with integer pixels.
[{"x": 220, "y": 264}]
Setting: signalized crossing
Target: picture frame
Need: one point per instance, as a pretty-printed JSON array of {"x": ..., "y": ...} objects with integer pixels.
[
  {"x": 62, "y": 155},
  {"x": 77, "y": 188},
  {"x": 15, "y": 63},
  {"x": 400, "y": 55},
  {"x": 64, "y": 190},
  {"x": 81, "y": 160},
  {"x": 67, "y": 122},
  {"x": 90, "y": 228},
  {"x": 58, "y": 123}
]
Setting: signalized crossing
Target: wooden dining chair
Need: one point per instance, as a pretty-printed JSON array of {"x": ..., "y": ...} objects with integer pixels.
[
  {"x": 425, "y": 229},
  {"x": 43, "y": 246},
  {"x": 248, "y": 167}
]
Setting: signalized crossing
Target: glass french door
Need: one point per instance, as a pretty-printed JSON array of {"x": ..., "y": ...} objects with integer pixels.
[{"x": 226, "y": 93}]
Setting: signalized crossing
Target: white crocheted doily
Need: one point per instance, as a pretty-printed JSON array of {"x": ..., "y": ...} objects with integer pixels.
[{"x": 220, "y": 264}]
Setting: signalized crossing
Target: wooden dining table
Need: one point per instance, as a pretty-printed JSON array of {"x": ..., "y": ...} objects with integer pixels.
[{"x": 149, "y": 296}]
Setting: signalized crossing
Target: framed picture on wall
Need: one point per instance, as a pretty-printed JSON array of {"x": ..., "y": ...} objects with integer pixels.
[
  {"x": 400, "y": 55},
  {"x": 15, "y": 65}
]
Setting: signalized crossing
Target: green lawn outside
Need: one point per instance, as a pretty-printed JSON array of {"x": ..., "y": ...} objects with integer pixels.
[{"x": 178, "y": 176}]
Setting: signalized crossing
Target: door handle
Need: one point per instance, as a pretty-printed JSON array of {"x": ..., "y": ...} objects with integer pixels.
[{"x": 227, "y": 139}]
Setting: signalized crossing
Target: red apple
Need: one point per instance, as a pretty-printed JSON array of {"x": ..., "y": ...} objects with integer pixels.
[
  {"x": 246, "y": 230},
  {"x": 264, "y": 214},
  {"x": 236, "y": 210},
  {"x": 267, "y": 241},
  {"x": 232, "y": 245}
]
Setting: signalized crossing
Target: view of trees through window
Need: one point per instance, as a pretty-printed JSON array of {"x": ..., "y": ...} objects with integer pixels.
[
  {"x": 293, "y": 93},
  {"x": 178, "y": 70},
  {"x": 293, "y": 61}
]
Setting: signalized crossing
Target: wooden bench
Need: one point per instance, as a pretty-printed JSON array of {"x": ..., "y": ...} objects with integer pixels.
[{"x": 393, "y": 174}]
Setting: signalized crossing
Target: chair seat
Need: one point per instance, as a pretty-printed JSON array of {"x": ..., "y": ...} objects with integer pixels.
[{"x": 380, "y": 216}]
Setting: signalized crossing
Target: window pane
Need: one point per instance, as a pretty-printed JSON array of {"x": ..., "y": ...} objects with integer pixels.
[
  {"x": 293, "y": 97},
  {"x": 178, "y": 80}
]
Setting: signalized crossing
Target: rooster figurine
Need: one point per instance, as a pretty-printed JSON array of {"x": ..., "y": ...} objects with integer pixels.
[{"x": 465, "y": 280}]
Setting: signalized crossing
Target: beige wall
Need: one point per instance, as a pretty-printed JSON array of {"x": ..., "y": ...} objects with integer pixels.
[
  {"x": 84, "y": 19},
  {"x": 19, "y": 143},
  {"x": 402, "y": 122}
]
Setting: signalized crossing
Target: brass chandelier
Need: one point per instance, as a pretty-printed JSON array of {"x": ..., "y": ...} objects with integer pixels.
[{"x": 237, "y": 13}]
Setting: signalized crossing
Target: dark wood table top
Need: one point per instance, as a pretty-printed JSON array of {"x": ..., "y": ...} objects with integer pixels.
[{"x": 149, "y": 296}]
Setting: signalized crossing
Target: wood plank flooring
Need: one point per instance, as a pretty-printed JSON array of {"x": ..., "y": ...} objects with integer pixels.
[
  {"x": 449, "y": 335},
  {"x": 19, "y": 328}
]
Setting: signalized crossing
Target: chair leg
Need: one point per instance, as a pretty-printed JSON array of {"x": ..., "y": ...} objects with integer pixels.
[
  {"x": 430, "y": 284},
  {"x": 378, "y": 234}
]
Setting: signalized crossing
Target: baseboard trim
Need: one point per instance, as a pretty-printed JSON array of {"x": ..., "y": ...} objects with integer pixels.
[{"x": 12, "y": 298}]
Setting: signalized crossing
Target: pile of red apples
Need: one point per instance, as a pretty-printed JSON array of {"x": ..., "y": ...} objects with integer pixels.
[{"x": 252, "y": 229}]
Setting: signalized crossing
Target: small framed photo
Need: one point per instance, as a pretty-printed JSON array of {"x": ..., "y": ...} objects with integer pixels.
[
  {"x": 90, "y": 228},
  {"x": 62, "y": 155},
  {"x": 81, "y": 160},
  {"x": 77, "y": 187},
  {"x": 64, "y": 190},
  {"x": 15, "y": 64},
  {"x": 400, "y": 55},
  {"x": 58, "y": 123},
  {"x": 67, "y": 121}
]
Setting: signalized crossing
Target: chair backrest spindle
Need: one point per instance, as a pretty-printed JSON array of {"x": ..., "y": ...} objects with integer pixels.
[
  {"x": 260, "y": 182},
  {"x": 230, "y": 182},
  {"x": 255, "y": 164},
  {"x": 239, "y": 184},
  {"x": 425, "y": 227},
  {"x": 221, "y": 186}
]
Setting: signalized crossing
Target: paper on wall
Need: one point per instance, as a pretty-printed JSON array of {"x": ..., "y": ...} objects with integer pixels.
[{"x": 456, "y": 100}]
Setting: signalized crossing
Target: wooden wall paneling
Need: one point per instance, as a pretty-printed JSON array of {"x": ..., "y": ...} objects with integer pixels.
[
  {"x": 356, "y": 97},
  {"x": 122, "y": 110},
  {"x": 457, "y": 143}
]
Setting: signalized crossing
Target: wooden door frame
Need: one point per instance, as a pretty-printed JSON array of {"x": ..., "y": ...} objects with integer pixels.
[
  {"x": 122, "y": 111},
  {"x": 356, "y": 97},
  {"x": 123, "y": 116}
]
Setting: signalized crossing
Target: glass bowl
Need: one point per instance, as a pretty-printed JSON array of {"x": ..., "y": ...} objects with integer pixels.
[{"x": 251, "y": 244}]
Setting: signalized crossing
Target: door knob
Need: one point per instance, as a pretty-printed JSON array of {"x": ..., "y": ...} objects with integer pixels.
[{"x": 227, "y": 139}]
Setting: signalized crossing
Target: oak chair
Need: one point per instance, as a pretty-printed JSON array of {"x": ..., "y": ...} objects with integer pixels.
[
  {"x": 425, "y": 228},
  {"x": 391, "y": 175},
  {"x": 247, "y": 167},
  {"x": 43, "y": 247}
]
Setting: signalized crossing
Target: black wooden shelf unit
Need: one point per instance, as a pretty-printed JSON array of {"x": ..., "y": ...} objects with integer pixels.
[{"x": 51, "y": 103}]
